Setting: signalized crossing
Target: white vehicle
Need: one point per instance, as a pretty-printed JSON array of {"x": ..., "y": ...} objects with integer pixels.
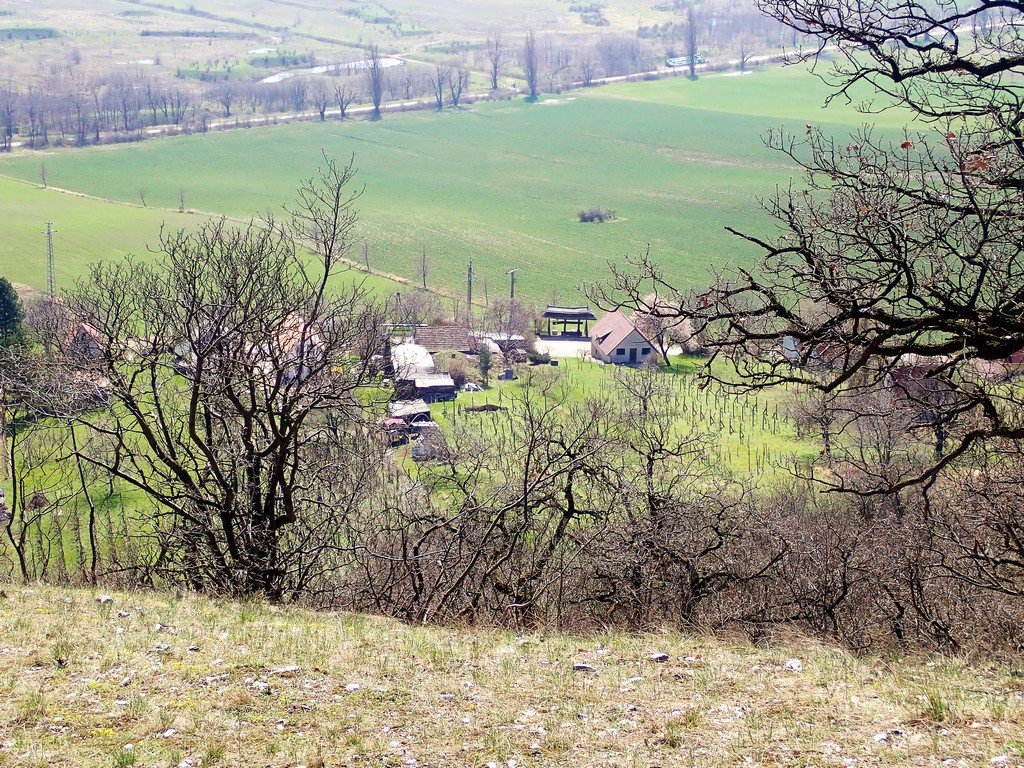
[{"x": 469, "y": 386}]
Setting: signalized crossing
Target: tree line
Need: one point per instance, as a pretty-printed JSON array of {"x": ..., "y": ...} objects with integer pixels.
[{"x": 71, "y": 107}]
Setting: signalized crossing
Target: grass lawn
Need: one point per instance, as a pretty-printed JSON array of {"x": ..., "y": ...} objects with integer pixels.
[
  {"x": 151, "y": 679},
  {"x": 500, "y": 184}
]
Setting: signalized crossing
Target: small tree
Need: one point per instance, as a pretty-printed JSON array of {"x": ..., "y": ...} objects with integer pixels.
[
  {"x": 484, "y": 362},
  {"x": 691, "y": 42},
  {"x": 423, "y": 267},
  {"x": 344, "y": 97},
  {"x": 234, "y": 412}
]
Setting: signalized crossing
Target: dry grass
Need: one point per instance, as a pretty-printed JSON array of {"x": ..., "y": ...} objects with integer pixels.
[{"x": 156, "y": 680}]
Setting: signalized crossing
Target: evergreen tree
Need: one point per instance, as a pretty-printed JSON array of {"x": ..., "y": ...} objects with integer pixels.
[
  {"x": 484, "y": 362},
  {"x": 11, "y": 315}
]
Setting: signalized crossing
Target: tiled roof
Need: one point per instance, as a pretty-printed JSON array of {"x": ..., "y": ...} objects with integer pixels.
[
  {"x": 611, "y": 330},
  {"x": 437, "y": 338}
]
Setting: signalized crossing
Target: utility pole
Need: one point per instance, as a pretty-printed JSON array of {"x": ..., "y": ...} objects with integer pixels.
[
  {"x": 512, "y": 287},
  {"x": 469, "y": 292},
  {"x": 49, "y": 259}
]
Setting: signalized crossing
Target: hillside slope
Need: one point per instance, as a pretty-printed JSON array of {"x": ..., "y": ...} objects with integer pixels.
[{"x": 156, "y": 680}]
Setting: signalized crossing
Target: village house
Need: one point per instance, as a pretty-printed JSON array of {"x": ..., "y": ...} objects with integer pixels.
[
  {"x": 83, "y": 343},
  {"x": 616, "y": 339}
]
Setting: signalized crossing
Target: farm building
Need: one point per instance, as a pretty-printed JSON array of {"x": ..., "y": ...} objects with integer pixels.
[
  {"x": 300, "y": 346},
  {"x": 434, "y": 387},
  {"x": 409, "y": 411},
  {"x": 571, "y": 321},
  {"x": 615, "y": 339}
]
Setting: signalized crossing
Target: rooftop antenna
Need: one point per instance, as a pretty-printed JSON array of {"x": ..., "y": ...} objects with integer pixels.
[
  {"x": 512, "y": 287},
  {"x": 52, "y": 281}
]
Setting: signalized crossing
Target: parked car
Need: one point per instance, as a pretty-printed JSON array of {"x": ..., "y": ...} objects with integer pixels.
[{"x": 469, "y": 386}]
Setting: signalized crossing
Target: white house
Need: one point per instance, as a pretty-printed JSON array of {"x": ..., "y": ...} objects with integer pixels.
[{"x": 615, "y": 339}]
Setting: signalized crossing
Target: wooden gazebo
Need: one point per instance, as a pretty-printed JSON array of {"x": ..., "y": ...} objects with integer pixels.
[{"x": 564, "y": 317}]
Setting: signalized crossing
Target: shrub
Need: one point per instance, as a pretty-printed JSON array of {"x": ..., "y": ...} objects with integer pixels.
[{"x": 598, "y": 215}]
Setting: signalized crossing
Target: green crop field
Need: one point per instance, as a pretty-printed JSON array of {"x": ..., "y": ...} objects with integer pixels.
[
  {"x": 499, "y": 184},
  {"x": 87, "y": 230}
]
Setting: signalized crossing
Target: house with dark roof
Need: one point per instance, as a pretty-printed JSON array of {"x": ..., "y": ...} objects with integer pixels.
[
  {"x": 616, "y": 339},
  {"x": 445, "y": 338}
]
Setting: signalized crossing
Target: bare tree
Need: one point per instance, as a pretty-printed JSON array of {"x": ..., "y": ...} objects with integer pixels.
[
  {"x": 423, "y": 267},
  {"x": 320, "y": 97},
  {"x": 438, "y": 83},
  {"x": 745, "y": 51},
  {"x": 225, "y": 96},
  {"x": 458, "y": 81},
  {"x": 587, "y": 72},
  {"x": 344, "y": 98},
  {"x": 375, "y": 79},
  {"x": 898, "y": 268},
  {"x": 495, "y": 58},
  {"x": 234, "y": 411},
  {"x": 691, "y": 41},
  {"x": 531, "y": 67}
]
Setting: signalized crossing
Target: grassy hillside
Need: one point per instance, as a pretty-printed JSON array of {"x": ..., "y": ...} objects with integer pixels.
[
  {"x": 501, "y": 183},
  {"x": 88, "y": 230},
  {"x": 156, "y": 680}
]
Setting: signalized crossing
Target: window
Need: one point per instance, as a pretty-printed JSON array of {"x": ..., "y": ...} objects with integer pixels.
[
  {"x": 620, "y": 351},
  {"x": 645, "y": 351}
]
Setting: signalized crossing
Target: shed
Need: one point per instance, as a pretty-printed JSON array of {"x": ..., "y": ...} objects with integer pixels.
[
  {"x": 434, "y": 388},
  {"x": 577, "y": 317},
  {"x": 409, "y": 411}
]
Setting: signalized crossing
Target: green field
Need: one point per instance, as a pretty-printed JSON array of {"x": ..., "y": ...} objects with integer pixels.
[
  {"x": 88, "y": 230},
  {"x": 499, "y": 184}
]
